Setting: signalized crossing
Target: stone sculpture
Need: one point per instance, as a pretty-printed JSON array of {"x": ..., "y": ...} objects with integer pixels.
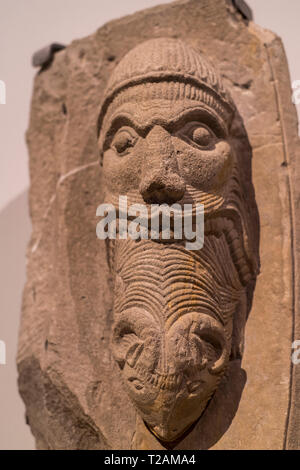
[
  {"x": 139, "y": 344},
  {"x": 179, "y": 316}
]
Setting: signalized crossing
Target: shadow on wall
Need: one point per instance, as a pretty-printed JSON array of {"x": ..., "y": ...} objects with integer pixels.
[{"x": 14, "y": 235}]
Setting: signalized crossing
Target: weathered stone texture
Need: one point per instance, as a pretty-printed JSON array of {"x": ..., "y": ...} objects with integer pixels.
[{"x": 68, "y": 377}]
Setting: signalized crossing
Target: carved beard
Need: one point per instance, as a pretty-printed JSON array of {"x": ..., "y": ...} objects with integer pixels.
[{"x": 174, "y": 316}]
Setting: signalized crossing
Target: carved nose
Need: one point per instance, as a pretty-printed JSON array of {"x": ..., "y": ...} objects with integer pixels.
[
  {"x": 161, "y": 182},
  {"x": 160, "y": 189}
]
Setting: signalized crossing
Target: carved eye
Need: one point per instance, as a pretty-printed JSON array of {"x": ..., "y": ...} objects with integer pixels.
[
  {"x": 194, "y": 387},
  {"x": 202, "y": 136},
  {"x": 198, "y": 134},
  {"x": 124, "y": 140},
  {"x": 138, "y": 385}
]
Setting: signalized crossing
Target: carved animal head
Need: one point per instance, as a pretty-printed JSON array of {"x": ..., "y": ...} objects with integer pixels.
[{"x": 166, "y": 135}]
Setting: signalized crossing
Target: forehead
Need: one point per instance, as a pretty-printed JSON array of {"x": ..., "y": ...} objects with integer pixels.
[{"x": 144, "y": 114}]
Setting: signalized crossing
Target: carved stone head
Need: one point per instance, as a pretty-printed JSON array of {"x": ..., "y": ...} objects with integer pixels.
[{"x": 166, "y": 130}]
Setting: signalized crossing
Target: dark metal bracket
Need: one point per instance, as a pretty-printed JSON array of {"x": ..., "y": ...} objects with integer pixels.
[
  {"x": 44, "y": 56},
  {"x": 244, "y": 9}
]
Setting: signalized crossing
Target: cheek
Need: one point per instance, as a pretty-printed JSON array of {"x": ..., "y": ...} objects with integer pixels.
[
  {"x": 121, "y": 174},
  {"x": 205, "y": 169}
]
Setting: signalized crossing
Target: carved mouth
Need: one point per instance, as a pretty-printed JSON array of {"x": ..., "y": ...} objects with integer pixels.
[
  {"x": 218, "y": 225},
  {"x": 219, "y": 220}
]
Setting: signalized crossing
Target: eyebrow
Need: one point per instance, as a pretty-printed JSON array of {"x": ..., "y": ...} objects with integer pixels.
[{"x": 197, "y": 113}]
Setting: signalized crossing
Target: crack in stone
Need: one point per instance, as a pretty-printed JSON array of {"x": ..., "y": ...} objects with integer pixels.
[{"x": 53, "y": 197}]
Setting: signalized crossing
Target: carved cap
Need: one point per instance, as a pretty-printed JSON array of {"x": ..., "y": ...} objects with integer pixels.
[{"x": 187, "y": 72}]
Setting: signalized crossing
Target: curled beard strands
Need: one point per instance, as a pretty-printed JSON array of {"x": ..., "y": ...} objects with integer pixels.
[{"x": 173, "y": 322}]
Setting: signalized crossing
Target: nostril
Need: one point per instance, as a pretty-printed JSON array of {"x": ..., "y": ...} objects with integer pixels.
[
  {"x": 169, "y": 190},
  {"x": 156, "y": 186}
]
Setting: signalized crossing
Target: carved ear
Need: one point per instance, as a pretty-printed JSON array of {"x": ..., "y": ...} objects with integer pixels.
[{"x": 239, "y": 323}]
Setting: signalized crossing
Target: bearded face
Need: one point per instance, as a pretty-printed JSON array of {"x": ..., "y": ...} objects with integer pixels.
[{"x": 178, "y": 314}]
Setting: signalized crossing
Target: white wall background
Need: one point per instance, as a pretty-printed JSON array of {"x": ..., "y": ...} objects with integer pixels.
[{"x": 25, "y": 27}]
